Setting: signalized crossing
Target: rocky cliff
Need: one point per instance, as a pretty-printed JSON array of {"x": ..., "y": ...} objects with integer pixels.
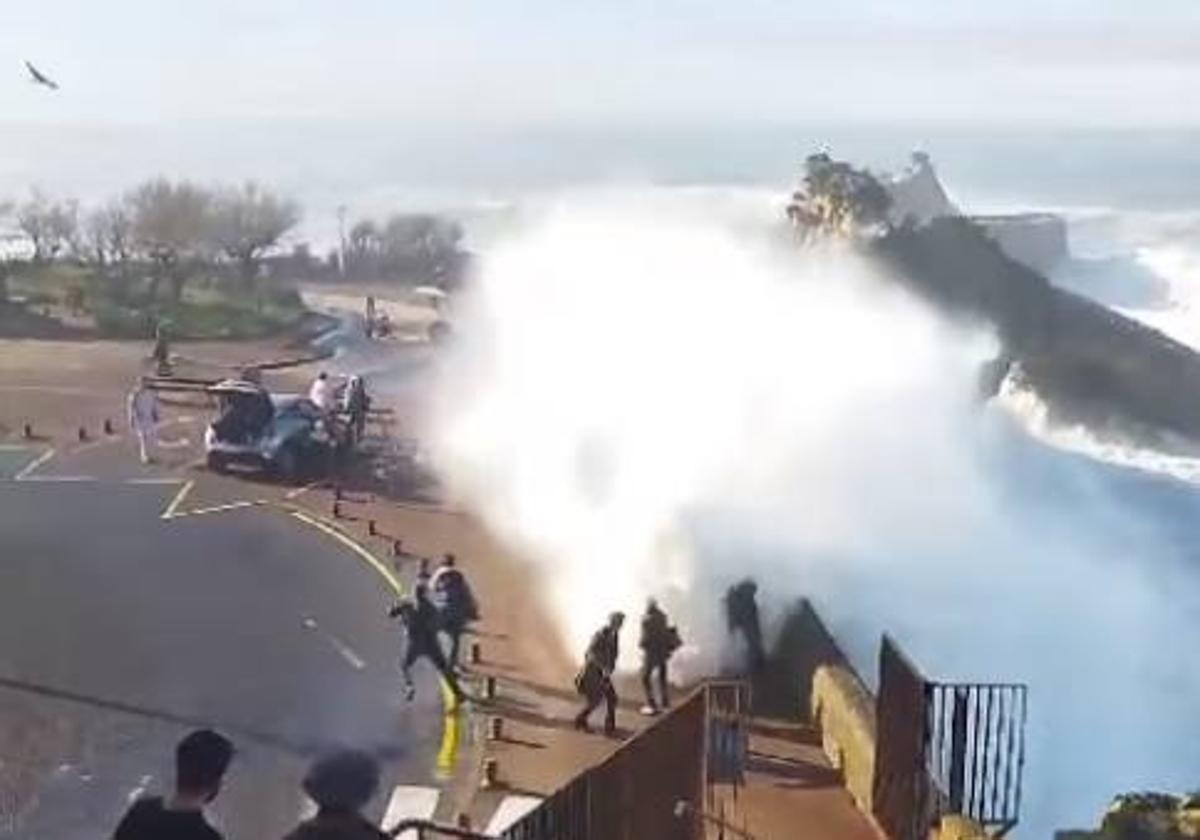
[{"x": 1089, "y": 363}]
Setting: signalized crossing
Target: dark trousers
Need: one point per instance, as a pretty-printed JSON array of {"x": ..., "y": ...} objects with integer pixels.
[
  {"x": 455, "y": 632},
  {"x": 431, "y": 650},
  {"x": 652, "y": 668},
  {"x": 608, "y": 695}
]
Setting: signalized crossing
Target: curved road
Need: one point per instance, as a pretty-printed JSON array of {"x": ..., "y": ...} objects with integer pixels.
[{"x": 119, "y": 630}]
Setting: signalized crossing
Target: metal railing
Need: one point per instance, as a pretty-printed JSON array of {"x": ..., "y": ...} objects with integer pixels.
[
  {"x": 429, "y": 828},
  {"x": 637, "y": 791},
  {"x": 976, "y": 751}
]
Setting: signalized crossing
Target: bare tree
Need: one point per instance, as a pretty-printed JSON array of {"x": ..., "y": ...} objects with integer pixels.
[
  {"x": 50, "y": 226},
  {"x": 108, "y": 234},
  {"x": 249, "y": 222},
  {"x": 171, "y": 225},
  {"x": 365, "y": 247}
]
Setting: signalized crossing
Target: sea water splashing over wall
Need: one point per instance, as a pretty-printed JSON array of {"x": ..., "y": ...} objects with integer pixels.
[{"x": 657, "y": 392}]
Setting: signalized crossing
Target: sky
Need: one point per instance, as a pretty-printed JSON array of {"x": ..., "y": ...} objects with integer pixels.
[
  {"x": 446, "y": 104},
  {"x": 487, "y": 64}
]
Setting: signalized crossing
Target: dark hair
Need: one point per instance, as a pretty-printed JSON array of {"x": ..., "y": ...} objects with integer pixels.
[
  {"x": 342, "y": 781},
  {"x": 450, "y": 559},
  {"x": 201, "y": 760}
]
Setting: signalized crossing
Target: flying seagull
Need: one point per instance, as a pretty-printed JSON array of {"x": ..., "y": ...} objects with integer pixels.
[{"x": 39, "y": 78}]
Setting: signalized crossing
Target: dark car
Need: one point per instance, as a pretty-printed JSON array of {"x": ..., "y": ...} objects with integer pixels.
[{"x": 286, "y": 435}]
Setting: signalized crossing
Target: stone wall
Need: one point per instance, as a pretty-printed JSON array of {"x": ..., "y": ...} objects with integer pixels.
[{"x": 844, "y": 714}]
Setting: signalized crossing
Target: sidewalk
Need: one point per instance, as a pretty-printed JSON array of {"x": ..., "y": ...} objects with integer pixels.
[{"x": 791, "y": 791}]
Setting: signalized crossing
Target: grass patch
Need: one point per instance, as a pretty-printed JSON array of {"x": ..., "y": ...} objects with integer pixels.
[{"x": 211, "y": 308}]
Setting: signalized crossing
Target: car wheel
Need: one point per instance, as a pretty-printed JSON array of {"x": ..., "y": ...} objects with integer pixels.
[{"x": 216, "y": 462}]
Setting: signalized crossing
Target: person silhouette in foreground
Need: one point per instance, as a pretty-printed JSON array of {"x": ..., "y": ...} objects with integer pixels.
[
  {"x": 741, "y": 612},
  {"x": 201, "y": 760},
  {"x": 341, "y": 784},
  {"x": 659, "y": 641},
  {"x": 420, "y": 619},
  {"x": 594, "y": 680}
]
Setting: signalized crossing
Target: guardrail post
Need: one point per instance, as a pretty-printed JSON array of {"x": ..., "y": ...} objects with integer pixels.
[{"x": 958, "y": 751}]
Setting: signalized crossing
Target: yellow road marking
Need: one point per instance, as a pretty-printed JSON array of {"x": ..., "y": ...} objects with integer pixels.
[
  {"x": 451, "y": 725},
  {"x": 34, "y": 464},
  {"x": 178, "y": 499}
]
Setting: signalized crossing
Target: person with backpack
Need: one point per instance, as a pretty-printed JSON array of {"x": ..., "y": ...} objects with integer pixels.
[
  {"x": 658, "y": 642},
  {"x": 456, "y": 603},
  {"x": 420, "y": 619},
  {"x": 594, "y": 681}
]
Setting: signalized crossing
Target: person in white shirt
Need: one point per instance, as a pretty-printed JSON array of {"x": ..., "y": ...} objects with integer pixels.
[
  {"x": 142, "y": 408},
  {"x": 322, "y": 393}
]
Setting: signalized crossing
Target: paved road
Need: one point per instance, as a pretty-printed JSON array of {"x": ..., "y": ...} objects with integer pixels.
[{"x": 119, "y": 628}]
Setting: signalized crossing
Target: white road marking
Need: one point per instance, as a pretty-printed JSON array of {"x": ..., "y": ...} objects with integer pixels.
[
  {"x": 178, "y": 500},
  {"x": 154, "y": 480},
  {"x": 34, "y": 464},
  {"x": 139, "y": 791},
  {"x": 291, "y": 494},
  {"x": 182, "y": 443},
  {"x": 50, "y": 479},
  {"x": 341, "y": 647},
  {"x": 512, "y": 809},
  {"x": 13, "y": 447},
  {"x": 218, "y": 508},
  {"x": 409, "y": 802}
]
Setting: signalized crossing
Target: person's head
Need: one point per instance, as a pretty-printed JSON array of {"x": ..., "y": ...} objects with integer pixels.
[
  {"x": 201, "y": 760},
  {"x": 615, "y": 620},
  {"x": 322, "y": 376},
  {"x": 450, "y": 561},
  {"x": 344, "y": 780},
  {"x": 651, "y": 605}
]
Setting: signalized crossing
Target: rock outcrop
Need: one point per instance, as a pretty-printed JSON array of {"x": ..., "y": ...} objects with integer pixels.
[
  {"x": 1039, "y": 240},
  {"x": 1090, "y": 364}
]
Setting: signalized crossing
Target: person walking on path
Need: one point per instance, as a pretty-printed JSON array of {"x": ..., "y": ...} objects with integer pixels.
[
  {"x": 201, "y": 760},
  {"x": 420, "y": 619},
  {"x": 341, "y": 784},
  {"x": 456, "y": 603},
  {"x": 161, "y": 355},
  {"x": 594, "y": 680},
  {"x": 142, "y": 408},
  {"x": 659, "y": 641},
  {"x": 369, "y": 325}
]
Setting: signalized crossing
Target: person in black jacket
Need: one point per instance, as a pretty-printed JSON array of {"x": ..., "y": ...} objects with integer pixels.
[
  {"x": 594, "y": 681},
  {"x": 420, "y": 619},
  {"x": 659, "y": 640},
  {"x": 741, "y": 611},
  {"x": 201, "y": 760}
]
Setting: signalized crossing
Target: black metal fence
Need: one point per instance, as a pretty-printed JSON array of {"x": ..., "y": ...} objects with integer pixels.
[
  {"x": 652, "y": 786},
  {"x": 976, "y": 752},
  {"x": 945, "y": 748}
]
